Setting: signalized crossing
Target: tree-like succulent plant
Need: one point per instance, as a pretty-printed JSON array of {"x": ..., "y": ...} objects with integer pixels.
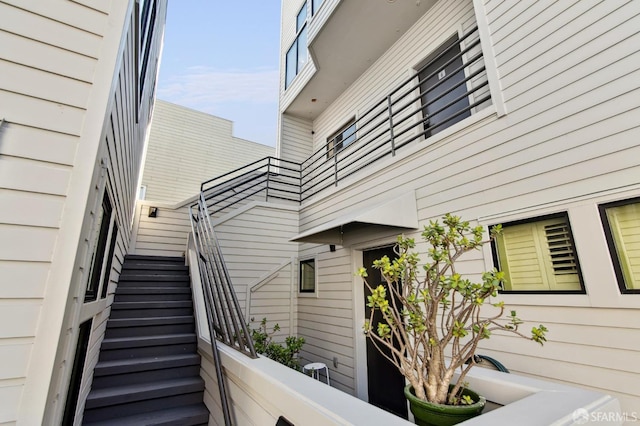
[{"x": 431, "y": 315}]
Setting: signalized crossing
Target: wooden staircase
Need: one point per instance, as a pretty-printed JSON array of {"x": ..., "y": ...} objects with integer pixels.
[{"x": 148, "y": 372}]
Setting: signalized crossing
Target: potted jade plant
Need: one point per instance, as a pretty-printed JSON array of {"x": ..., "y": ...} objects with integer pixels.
[{"x": 432, "y": 322}]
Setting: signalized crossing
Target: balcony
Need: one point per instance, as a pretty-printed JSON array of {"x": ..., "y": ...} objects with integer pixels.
[
  {"x": 448, "y": 88},
  {"x": 345, "y": 38}
]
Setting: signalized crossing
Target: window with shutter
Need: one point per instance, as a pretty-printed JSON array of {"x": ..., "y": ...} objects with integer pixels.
[
  {"x": 538, "y": 256},
  {"x": 621, "y": 221}
]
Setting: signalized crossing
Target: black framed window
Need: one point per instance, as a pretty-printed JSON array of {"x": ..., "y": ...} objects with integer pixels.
[
  {"x": 147, "y": 24},
  {"x": 538, "y": 255},
  {"x": 79, "y": 359},
  {"x": 107, "y": 269},
  {"x": 621, "y": 222},
  {"x": 315, "y": 5},
  {"x": 342, "y": 138},
  {"x": 97, "y": 260},
  {"x": 307, "y": 277},
  {"x": 297, "y": 54},
  {"x": 443, "y": 88}
]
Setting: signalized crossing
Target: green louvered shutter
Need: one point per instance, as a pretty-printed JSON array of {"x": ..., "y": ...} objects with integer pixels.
[
  {"x": 624, "y": 222},
  {"x": 538, "y": 256}
]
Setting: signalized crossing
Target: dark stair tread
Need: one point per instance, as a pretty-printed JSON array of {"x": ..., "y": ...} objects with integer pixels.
[
  {"x": 142, "y": 322},
  {"x": 142, "y": 341},
  {"x": 143, "y": 391},
  {"x": 152, "y": 305},
  {"x": 154, "y": 258},
  {"x": 156, "y": 265},
  {"x": 154, "y": 290},
  {"x": 179, "y": 416},
  {"x": 129, "y": 365},
  {"x": 127, "y": 276}
]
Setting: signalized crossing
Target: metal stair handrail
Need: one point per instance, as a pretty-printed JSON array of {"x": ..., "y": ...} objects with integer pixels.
[{"x": 224, "y": 315}]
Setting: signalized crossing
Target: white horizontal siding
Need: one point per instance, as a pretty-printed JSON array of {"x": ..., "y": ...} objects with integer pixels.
[
  {"x": 47, "y": 58},
  {"x": 569, "y": 76},
  {"x": 326, "y": 322},
  {"x": 35, "y": 22},
  {"x": 187, "y": 147},
  {"x": 58, "y": 58},
  {"x": 37, "y": 144},
  {"x": 295, "y": 139},
  {"x": 42, "y": 56}
]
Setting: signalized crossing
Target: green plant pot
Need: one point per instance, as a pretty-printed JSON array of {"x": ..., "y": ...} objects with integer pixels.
[{"x": 430, "y": 414}]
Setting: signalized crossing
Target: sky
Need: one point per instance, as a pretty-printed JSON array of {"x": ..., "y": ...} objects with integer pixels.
[{"x": 221, "y": 57}]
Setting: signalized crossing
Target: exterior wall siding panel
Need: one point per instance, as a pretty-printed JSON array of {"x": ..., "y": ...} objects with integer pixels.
[
  {"x": 58, "y": 155},
  {"x": 187, "y": 147},
  {"x": 569, "y": 78}
]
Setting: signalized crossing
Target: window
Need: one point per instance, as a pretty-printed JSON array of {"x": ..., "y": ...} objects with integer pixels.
[
  {"x": 339, "y": 140},
  {"x": 538, "y": 255},
  {"x": 297, "y": 53},
  {"x": 621, "y": 221},
  {"x": 443, "y": 89},
  {"x": 315, "y": 5},
  {"x": 97, "y": 260},
  {"x": 71, "y": 404},
  {"x": 107, "y": 269},
  {"x": 147, "y": 23},
  {"x": 308, "y": 276}
]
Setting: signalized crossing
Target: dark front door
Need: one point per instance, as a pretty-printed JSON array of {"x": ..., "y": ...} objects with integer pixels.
[
  {"x": 386, "y": 384},
  {"x": 441, "y": 84}
]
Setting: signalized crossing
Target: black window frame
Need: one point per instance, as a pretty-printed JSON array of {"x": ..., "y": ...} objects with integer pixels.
[
  {"x": 611, "y": 245},
  {"x": 312, "y": 263},
  {"x": 97, "y": 260},
  {"x": 107, "y": 269},
  {"x": 315, "y": 6},
  {"x": 449, "y": 84},
  {"x": 496, "y": 261},
  {"x": 79, "y": 360},
  {"x": 301, "y": 28},
  {"x": 336, "y": 142}
]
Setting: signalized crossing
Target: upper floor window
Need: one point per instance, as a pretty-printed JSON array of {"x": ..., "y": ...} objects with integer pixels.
[
  {"x": 147, "y": 23},
  {"x": 343, "y": 137},
  {"x": 621, "y": 222},
  {"x": 538, "y": 255},
  {"x": 297, "y": 53},
  {"x": 315, "y": 5},
  {"x": 443, "y": 88}
]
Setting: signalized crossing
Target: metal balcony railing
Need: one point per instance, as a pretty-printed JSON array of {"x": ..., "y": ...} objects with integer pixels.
[{"x": 449, "y": 87}]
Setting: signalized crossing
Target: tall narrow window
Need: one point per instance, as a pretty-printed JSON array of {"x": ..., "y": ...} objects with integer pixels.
[
  {"x": 621, "y": 222},
  {"x": 97, "y": 260},
  {"x": 107, "y": 269},
  {"x": 315, "y": 5},
  {"x": 538, "y": 256},
  {"x": 443, "y": 88},
  {"x": 297, "y": 54},
  {"x": 147, "y": 23},
  {"x": 76, "y": 373},
  {"x": 308, "y": 276},
  {"x": 342, "y": 138}
]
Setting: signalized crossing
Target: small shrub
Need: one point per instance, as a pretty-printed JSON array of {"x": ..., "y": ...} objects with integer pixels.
[{"x": 285, "y": 355}]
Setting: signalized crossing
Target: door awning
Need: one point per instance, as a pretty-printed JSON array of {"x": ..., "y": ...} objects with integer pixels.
[{"x": 399, "y": 213}]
